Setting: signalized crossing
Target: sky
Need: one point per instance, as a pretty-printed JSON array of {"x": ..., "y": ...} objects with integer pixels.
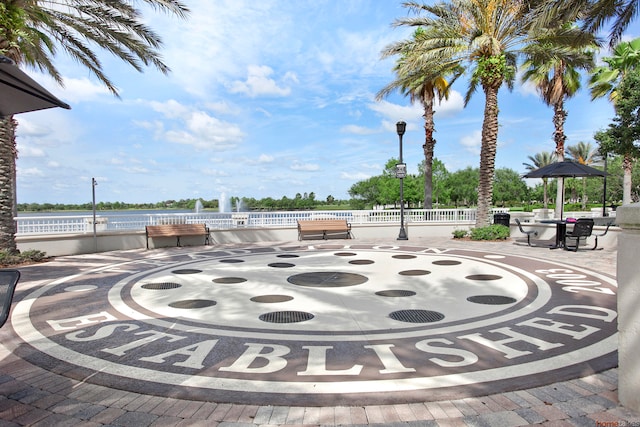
[{"x": 265, "y": 98}]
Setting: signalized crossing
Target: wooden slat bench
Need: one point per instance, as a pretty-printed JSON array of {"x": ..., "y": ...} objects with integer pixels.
[
  {"x": 177, "y": 230},
  {"x": 324, "y": 228}
]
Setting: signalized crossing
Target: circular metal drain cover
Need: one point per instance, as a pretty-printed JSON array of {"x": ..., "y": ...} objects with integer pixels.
[
  {"x": 414, "y": 272},
  {"x": 229, "y": 280},
  {"x": 161, "y": 286},
  {"x": 281, "y": 265},
  {"x": 272, "y": 298},
  {"x": 187, "y": 271},
  {"x": 286, "y": 317},
  {"x": 491, "y": 299},
  {"x": 484, "y": 277},
  {"x": 192, "y": 303},
  {"x": 403, "y": 256},
  {"x": 446, "y": 262},
  {"x": 361, "y": 261},
  {"x": 345, "y": 254},
  {"x": 288, "y": 256},
  {"x": 231, "y": 260},
  {"x": 327, "y": 279},
  {"x": 395, "y": 293},
  {"x": 416, "y": 316}
]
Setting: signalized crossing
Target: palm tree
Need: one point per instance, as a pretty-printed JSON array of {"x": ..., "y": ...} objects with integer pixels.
[
  {"x": 605, "y": 81},
  {"x": 594, "y": 14},
  {"x": 423, "y": 86},
  {"x": 554, "y": 67},
  {"x": 483, "y": 36},
  {"x": 585, "y": 154},
  {"x": 539, "y": 160},
  {"x": 31, "y": 32}
]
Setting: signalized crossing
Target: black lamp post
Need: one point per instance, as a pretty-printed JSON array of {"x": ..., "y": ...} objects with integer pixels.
[
  {"x": 604, "y": 189},
  {"x": 93, "y": 193},
  {"x": 401, "y": 171}
]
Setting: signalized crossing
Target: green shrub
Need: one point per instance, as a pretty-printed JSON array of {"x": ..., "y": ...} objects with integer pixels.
[
  {"x": 492, "y": 232},
  {"x": 13, "y": 258},
  {"x": 460, "y": 234}
]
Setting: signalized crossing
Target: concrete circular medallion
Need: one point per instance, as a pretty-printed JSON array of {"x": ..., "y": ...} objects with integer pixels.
[{"x": 483, "y": 323}]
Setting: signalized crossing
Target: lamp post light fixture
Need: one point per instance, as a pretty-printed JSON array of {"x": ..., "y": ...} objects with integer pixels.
[{"x": 401, "y": 172}]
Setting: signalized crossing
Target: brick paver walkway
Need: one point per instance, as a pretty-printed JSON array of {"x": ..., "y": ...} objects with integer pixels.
[{"x": 31, "y": 395}]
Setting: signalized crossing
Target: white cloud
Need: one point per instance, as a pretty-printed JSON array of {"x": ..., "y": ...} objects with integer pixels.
[
  {"x": 223, "y": 107},
  {"x": 171, "y": 109},
  {"x": 394, "y": 112},
  {"x": 472, "y": 142},
  {"x": 265, "y": 158},
  {"x": 258, "y": 83},
  {"x": 206, "y": 132},
  {"x": 358, "y": 130},
  {"x": 29, "y": 151},
  {"x": 80, "y": 90},
  {"x": 371, "y": 166},
  {"x": 359, "y": 176},
  {"x": 214, "y": 172},
  {"x": 449, "y": 107},
  {"x": 31, "y": 172},
  {"x": 30, "y": 128},
  {"x": 136, "y": 170},
  {"x": 308, "y": 167},
  {"x": 193, "y": 127}
]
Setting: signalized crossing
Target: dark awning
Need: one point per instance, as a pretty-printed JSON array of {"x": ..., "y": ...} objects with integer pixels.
[{"x": 19, "y": 93}]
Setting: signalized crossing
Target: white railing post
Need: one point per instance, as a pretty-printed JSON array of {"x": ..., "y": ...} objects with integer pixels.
[{"x": 628, "y": 275}]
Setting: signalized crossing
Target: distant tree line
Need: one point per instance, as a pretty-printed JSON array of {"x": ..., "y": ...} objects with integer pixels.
[
  {"x": 460, "y": 188},
  {"x": 300, "y": 201},
  {"x": 449, "y": 189}
]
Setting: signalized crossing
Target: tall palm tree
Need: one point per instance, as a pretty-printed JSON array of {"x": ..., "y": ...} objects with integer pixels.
[
  {"x": 32, "y": 32},
  {"x": 554, "y": 60},
  {"x": 539, "y": 160},
  {"x": 605, "y": 81},
  {"x": 423, "y": 86},
  {"x": 483, "y": 36},
  {"x": 585, "y": 154}
]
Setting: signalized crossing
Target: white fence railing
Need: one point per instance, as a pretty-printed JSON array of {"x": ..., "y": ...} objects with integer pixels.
[{"x": 56, "y": 224}]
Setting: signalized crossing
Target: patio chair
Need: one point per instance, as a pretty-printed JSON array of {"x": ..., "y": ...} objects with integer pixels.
[
  {"x": 527, "y": 232},
  {"x": 609, "y": 224},
  {"x": 8, "y": 281},
  {"x": 582, "y": 229}
]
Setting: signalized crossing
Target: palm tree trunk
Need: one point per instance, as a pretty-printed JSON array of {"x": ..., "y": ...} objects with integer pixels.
[
  {"x": 428, "y": 148},
  {"x": 488, "y": 154},
  {"x": 559, "y": 117},
  {"x": 7, "y": 183}
]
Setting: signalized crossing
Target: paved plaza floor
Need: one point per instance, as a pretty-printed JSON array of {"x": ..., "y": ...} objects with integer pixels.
[{"x": 429, "y": 331}]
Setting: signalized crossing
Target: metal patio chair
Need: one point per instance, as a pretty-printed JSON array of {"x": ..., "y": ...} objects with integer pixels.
[
  {"x": 582, "y": 229},
  {"x": 527, "y": 232}
]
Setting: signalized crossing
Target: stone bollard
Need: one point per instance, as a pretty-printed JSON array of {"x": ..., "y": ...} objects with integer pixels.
[{"x": 628, "y": 276}]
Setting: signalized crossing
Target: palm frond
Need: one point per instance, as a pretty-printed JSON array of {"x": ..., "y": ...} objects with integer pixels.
[{"x": 77, "y": 27}]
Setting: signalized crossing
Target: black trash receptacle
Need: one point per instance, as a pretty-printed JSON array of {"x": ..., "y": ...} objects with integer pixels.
[{"x": 501, "y": 218}]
